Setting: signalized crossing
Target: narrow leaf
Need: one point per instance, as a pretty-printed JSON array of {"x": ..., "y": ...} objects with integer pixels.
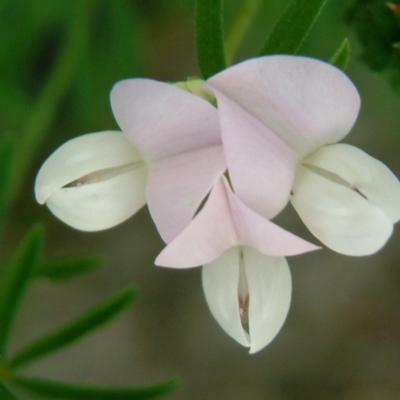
[
  {"x": 209, "y": 37},
  {"x": 15, "y": 281},
  {"x": 67, "y": 268},
  {"x": 342, "y": 55},
  {"x": 5, "y": 394},
  {"x": 240, "y": 27},
  {"x": 62, "y": 390},
  {"x": 7, "y": 152},
  {"x": 293, "y": 27},
  {"x": 75, "y": 329}
]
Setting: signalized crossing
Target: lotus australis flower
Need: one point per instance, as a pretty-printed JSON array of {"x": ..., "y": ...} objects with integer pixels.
[
  {"x": 246, "y": 278},
  {"x": 169, "y": 154},
  {"x": 277, "y": 113}
]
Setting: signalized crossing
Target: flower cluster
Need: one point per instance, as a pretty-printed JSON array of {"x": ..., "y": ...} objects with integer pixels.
[{"x": 215, "y": 161}]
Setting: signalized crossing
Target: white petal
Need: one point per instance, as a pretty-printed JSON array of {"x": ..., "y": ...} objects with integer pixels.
[
  {"x": 81, "y": 156},
  {"x": 339, "y": 217},
  {"x": 220, "y": 284},
  {"x": 370, "y": 176},
  {"x": 101, "y": 205},
  {"x": 270, "y": 291}
]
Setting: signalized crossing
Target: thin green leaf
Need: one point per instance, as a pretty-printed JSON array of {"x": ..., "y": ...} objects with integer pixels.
[
  {"x": 5, "y": 394},
  {"x": 67, "y": 268},
  {"x": 16, "y": 279},
  {"x": 62, "y": 390},
  {"x": 240, "y": 27},
  {"x": 342, "y": 55},
  {"x": 209, "y": 37},
  {"x": 7, "y": 152},
  {"x": 293, "y": 27},
  {"x": 75, "y": 329}
]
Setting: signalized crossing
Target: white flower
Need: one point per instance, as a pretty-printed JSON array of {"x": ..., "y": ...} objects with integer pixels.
[{"x": 347, "y": 199}]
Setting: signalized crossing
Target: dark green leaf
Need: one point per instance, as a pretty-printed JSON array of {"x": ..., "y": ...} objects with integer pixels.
[
  {"x": 48, "y": 100},
  {"x": 16, "y": 279},
  {"x": 342, "y": 55},
  {"x": 293, "y": 27},
  {"x": 378, "y": 30},
  {"x": 209, "y": 37},
  {"x": 73, "y": 330},
  {"x": 7, "y": 152},
  {"x": 5, "y": 394},
  {"x": 66, "y": 268},
  {"x": 62, "y": 390}
]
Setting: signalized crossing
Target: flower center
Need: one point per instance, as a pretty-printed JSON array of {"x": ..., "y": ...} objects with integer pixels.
[
  {"x": 243, "y": 292},
  {"x": 335, "y": 178},
  {"x": 104, "y": 174}
]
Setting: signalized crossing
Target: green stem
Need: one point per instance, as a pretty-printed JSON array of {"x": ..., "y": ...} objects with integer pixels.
[
  {"x": 46, "y": 107},
  {"x": 240, "y": 27}
]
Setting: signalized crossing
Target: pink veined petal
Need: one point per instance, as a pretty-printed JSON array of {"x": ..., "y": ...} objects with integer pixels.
[
  {"x": 362, "y": 172},
  {"x": 100, "y": 205},
  {"x": 179, "y": 136},
  {"x": 177, "y": 186},
  {"x": 259, "y": 233},
  {"x": 261, "y": 165},
  {"x": 225, "y": 222},
  {"x": 220, "y": 285},
  {"x": 209, "y": 234},
  {"x": 338, "y": 216},
  {"x": 270, "y": 291},
  {"x": 306, "y": 102}
]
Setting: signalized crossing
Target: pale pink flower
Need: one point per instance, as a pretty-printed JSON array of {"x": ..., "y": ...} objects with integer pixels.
[
  {"x": 171, "y": 160},
  {"x": 277, "y": 113},
  {"x": 246, "y": 278}
]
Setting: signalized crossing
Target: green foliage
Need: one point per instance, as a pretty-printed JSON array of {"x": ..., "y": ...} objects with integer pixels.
[
  {"x": 68, "y": 267},
  {"x": 15, "y": 282},
  {"x": 7, "y": 153},
  {"x": 209, "y": 37},
  {"x": 293, "y": 27},
  {"x": 62, "y": 390},
  {"x": 74, "y": 330},
  {"x": 341, "y": 56},
  {"x": 15, "y": 279},
  {"x": 378, "y": 30},
  {"x": 241, "y": 26},
  {"x": 5, "y": 394}
]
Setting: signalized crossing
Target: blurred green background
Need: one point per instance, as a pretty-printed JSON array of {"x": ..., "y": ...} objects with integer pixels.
[{"x": 58, "y": 62}]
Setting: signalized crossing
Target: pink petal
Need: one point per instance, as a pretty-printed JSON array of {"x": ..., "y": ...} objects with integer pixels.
[
  {"x": 209, "y": 234},
  {"x": 178, "y": 134},
  {"x": 306, "y": 102},
  {"x": 177, "y": 185},
  {"x": 225, "y": 222},
  {"x": 255, "y": 231},
  {"x": 261, "y": 165}
]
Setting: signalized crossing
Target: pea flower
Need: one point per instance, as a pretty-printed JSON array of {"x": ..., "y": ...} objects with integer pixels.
[
  {"x": 169, "y": 154},
  {"x": 246, "y": 278},
  {"x": 277, "y": 114}
]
